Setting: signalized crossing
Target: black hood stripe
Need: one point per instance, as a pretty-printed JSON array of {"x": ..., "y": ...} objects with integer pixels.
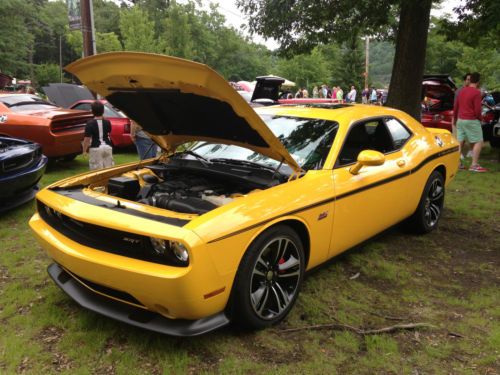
[{"x": 81, "y": 197}]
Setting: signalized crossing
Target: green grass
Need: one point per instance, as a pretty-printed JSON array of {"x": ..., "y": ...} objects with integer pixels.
[{"x": 448, "y": 278}]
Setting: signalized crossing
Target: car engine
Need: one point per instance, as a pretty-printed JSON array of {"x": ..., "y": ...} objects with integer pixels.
[{"x": 177, "y": 191}]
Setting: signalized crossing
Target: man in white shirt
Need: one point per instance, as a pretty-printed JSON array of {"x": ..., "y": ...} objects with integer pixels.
[{"x": 351, "y": 96}]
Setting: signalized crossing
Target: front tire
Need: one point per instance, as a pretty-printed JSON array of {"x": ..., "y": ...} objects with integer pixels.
[
  {"x": 429, "y": 210},
  {"x": 269, "y": 278}
]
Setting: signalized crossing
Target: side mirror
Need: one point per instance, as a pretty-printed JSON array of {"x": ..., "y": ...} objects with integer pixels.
[{"x": 367, "y": 157}]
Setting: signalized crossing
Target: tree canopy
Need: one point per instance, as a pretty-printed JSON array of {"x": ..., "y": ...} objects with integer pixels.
[{"x": 32, "y": 31}]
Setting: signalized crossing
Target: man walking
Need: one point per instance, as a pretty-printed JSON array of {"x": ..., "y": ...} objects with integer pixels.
[{"x": 466, "y": 116}]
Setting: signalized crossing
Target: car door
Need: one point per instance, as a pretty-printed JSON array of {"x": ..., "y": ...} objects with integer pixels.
[{"x": 373, "y": 199}]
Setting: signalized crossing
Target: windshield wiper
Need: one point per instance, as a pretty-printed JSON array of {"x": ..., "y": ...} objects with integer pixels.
[{"x": 242, "y": 162}]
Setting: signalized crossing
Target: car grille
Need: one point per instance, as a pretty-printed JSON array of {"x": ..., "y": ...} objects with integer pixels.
[
  {"x": 68, "y": 124},
  {"x": 105, "y": 239},
  {"x": 19, "y": 162}
]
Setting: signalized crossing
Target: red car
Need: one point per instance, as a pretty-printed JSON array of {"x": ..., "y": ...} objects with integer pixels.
[
  {"x": 58, "y": 130},
  {"x": 120, "y": 124},
  {"x": 437, "y": 107}
]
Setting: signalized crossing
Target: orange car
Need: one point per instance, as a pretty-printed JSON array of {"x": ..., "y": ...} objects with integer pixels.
[{"x": 59, "y": 131}]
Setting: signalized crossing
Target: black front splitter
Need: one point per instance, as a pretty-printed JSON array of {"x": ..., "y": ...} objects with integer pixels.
[{"x": 133, "y": 315}]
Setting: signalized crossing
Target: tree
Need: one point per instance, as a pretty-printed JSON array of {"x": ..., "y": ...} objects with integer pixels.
[
  {"x": 307, "y": 23},
  {"x": 138, "y": 31},
  {"x": 15, "y": 38}
]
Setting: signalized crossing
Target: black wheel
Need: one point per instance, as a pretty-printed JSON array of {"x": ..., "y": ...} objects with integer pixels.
[
  {"x": 495, "y": 142},
  {"x": 269, "y": 278},
  {"x": 70, "y": 157},
  {"x": 430, "y": 207}
]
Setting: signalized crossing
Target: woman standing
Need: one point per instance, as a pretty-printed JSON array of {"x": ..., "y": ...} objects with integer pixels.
[{"x": 96, "y": 142}]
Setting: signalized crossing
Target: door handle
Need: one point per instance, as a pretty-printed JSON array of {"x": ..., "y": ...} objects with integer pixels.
[{"x": 401, "y": 163}]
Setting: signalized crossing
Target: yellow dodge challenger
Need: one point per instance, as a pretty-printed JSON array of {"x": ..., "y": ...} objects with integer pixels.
[{"x": 241, "y": 202}]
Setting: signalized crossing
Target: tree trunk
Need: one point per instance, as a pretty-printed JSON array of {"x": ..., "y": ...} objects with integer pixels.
[{"x": 405, "y": 90}]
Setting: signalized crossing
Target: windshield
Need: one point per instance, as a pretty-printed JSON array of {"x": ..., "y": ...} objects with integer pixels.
[
  {"x": 21, "y": 102},
  {"x": 307, "y": 140}
]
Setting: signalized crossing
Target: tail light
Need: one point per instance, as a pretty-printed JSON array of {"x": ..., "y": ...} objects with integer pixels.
[
  {"x": 126, "y": 128},
  {"x": 488, "y": 117}
]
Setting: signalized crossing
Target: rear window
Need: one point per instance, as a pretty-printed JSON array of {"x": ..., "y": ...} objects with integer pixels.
[{"x": 20, "y": 102}]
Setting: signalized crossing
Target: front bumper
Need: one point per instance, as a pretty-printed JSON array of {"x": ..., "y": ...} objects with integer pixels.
[
  {"x": 174, "y": 292},
  {"x": 130, "y": 314}
]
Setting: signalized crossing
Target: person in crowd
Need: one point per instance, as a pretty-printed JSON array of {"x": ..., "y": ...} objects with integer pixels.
[
  {"x": 324, "y": 90},
  {"x": 467, "y": 117},
  {"x": 146, "y": 148},
  {"x": 340, "y": 95},
  {"x": 315, "y": 92},
  {"x": 299, "y": 93},
  {"x": 305, "y": 93},
  {"x": 351, "y": 95},
  {"x": 364, "y": 95},
  {"x": 96, "y": 143},
  {"x": 453, "y": 125},
  {"x": 334, "y": 92},
  {"x": 373, "y": 96}
]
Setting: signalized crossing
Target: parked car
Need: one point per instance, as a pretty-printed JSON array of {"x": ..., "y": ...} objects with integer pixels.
[
  {"x": 224, "y": 230},
  {"x": 59, "y": 131},
  {"x": 438, "y": 91},
  {"x": 22, "y": 164},
  {"x": 120, "y": 124},
  {"x": 490, "y": 121}
]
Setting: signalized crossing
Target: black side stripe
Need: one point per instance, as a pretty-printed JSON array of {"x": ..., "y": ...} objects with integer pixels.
[
  {"x": 81, "y": 197},
  {"x": 340, "y": 196}
]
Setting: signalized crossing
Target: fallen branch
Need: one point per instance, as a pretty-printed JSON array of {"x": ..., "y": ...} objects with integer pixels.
[{"x": 359, "y": 331}]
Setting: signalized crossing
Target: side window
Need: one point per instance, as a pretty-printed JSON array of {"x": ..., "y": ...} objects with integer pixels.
[
  {"x": 83, "y": 107},
  {"x": 398, "y": 132},
  {"x": 369, "y": 135}
]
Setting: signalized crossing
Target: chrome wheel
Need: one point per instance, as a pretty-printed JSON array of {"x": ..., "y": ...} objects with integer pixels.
[
  {"x": 434, "y": 203},
  {"x": 275, "y": 278}
]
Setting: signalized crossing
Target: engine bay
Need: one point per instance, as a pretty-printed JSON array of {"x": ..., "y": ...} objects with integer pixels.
[{"x": 178, "y": 189}]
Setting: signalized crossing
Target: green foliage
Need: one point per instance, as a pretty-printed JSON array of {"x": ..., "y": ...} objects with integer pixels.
[
  {"x": 15, "y": 38},
  {"x": 138, "y": 31},
  {"x": 47, "y": 73},
  {"x": 305, "y": 70},
  {"x": 107, "y": 42}
]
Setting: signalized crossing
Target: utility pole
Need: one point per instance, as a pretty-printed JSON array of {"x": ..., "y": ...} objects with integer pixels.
[
  {"x": 87, "y": 14},
  {"x": 60, "y": 58},
  {"x": 367, "y": 59}
]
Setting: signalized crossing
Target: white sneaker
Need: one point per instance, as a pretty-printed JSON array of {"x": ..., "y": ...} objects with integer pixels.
[{"x": 469, "y": 154}]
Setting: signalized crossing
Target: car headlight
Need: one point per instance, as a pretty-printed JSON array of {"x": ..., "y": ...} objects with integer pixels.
[{"x": 173, "y": 250}]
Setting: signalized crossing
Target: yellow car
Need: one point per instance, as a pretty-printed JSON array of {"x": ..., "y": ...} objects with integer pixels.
[{"x": 223, "y": 224}]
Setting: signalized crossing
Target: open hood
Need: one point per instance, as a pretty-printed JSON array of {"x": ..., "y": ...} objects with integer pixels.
[
  {"x": 65, "y": 94},
  {"x": 178, "y": 101},
  {"x": 439, "y": 79}
]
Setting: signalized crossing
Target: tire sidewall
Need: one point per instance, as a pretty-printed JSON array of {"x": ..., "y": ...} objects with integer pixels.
[{"x": 241, "y": 308}]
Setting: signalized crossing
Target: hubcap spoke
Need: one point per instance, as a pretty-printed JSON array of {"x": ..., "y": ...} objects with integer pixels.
[
  {"x": 281, "y": 297},
  {"x": 290, "y": 263},
  {"x": 259, "y": 298}
]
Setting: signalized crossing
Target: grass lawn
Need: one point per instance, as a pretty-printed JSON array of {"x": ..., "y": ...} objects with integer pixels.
[{"x": 449, "y": 278}]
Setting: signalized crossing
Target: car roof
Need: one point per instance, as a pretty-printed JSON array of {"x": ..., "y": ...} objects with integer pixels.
[{"x": 342, "y": 113}]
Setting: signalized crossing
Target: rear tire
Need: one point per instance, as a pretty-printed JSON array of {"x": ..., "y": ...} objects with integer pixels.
[
  {"x": 429, "y": 210},
  {"x": 70, "y": 157},
  {"x": 269, "y": 278}
]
